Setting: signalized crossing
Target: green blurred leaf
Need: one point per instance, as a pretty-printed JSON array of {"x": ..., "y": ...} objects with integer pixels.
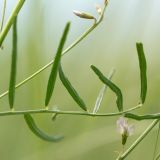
[
  {"x": 54, "y": 70},
  {"x": 33, "y": 127},
  {"x": 12, "y": 83},
  {"x": 70, "y": 89},
  {"x": 102, "y": 93},
  {"x": 112, "y": 86},
  {"x": 143, "y": 71}
]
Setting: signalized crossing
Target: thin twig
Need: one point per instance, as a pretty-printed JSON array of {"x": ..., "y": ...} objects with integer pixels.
[
  {"x": 64, "y": 52},
  {"x": 36, "y": 111},
  {"x": 102, "y": 93},
  {"x": 3, "y": 14},
  {"x": 157, "y": 158},
  {"x": 156, "y": 144}
]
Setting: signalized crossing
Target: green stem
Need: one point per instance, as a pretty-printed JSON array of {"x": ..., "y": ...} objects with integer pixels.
[
  {"x": 141, "y": 137},
  {"x": 156, "y": 144},
  {"x": 64, "y": 52},
  {"x": 11, "y": 20},
  {"x": 157, "y": 158},
  {"x": 13, "y": 112},
  {"x": 3, "y": 14}
]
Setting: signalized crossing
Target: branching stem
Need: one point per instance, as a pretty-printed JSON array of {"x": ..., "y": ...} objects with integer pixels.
[
  {"x": 3, "y": 14},
  {"x": 141, "y": 137},
  {"x": 95, "y": 24},
  {"x": 36, "y": 111},
  {"x": 156, "y": 144},
  {"x": 126, "y": 113}
]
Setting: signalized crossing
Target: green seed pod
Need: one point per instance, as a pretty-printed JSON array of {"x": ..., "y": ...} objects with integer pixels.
[
  {"x": 124, "y": 139},
  {"x": 83, "y": 15}
]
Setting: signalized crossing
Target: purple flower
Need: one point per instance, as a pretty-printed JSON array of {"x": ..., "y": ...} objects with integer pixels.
[{"x": 124, "y": 129}]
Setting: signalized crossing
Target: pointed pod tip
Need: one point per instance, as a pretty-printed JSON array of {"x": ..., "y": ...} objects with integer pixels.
[
  {"x": 139, "y": 44},
  {"x": 92, "y": 66},
  {"x": 58, "y": 138},
  {"x": 46, "y": 102},
  {"x": 85, "y": 108},
  {"x": 68, "y": 24}
]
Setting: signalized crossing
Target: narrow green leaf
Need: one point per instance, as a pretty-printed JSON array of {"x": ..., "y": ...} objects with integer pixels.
[
  {"x": 70, "y": 89},
  {"x": 54, "y": 70},
  {"x": 13, "y": 66},
  {"x": 112, "y": 86},
  {"x": 102, "y": 93},
  {"x": 143, "y": 71},
  {"x": 33, "y": 127}
]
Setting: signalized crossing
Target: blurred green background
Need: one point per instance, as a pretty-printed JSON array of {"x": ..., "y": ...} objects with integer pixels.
[{"x": 112, "y": 44}]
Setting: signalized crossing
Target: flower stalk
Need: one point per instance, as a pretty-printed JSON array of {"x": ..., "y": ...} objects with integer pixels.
[{"x": 141, "y": 137}]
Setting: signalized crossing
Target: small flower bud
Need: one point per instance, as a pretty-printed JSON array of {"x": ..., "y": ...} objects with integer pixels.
[
  {"x": 83, "y": 15},
  {"x": 98, "y": 9},
  {"x": 105, "y": 2}
]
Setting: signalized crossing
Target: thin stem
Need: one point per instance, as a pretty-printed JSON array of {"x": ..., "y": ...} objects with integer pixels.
[
  {"x": 36, "y": 111},
  {"x": 142, "y": 117},
  {"x": 141, "y": 137},
  {"x": 64, "y": 52},
  {"x": 3, "y": 14},
  {"x": 11, "y": 20},
  {"x": 156, "y": 145},
  {"x": 157, "y": 158}
]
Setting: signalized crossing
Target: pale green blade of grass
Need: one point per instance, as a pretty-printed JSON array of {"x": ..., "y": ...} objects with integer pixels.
[{"x": 102, "y": 93}]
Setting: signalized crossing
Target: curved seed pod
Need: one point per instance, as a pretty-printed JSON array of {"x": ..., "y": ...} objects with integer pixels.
[
  {"x": 33, "y": 127},
  {"x": 112, "y": 86},
  {"x": 70, "y": 89},
  {"x": 143, "y": 71},
  {"x": 54, "y": 70},
  {"x": 12, "y": 83}
]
